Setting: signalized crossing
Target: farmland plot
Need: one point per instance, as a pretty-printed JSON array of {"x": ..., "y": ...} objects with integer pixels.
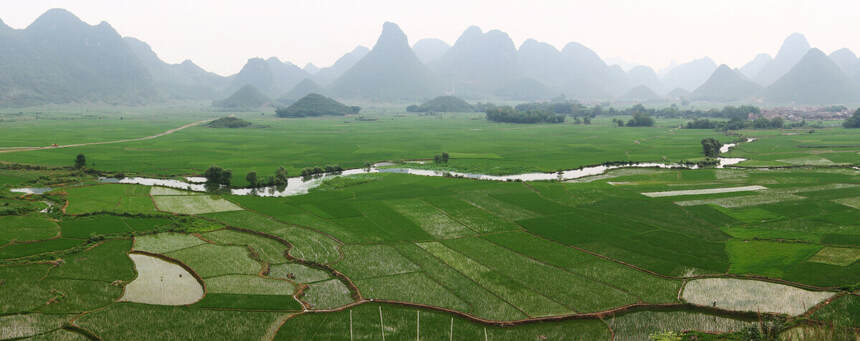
[
  {"x": 59, "y": 335},
  {"x": 366, "y": 261},
  {"x": 703, "y": 191},
  {"x": 250, "y": 302},
  {"x": 165, "y": 242},
  {"x": 194, "y": 204},
  {"x": 643, "y": 286},
  {"x": 432, "y": 220},
  {"x": 307, "y": 244},
  {"x": 210, "y": 260},
  {"x": 474, "y": 218},
  {"x": 749, "y": 295},
  {"x": 502, "y": 209},
  {"x": 836, "y": 256},
  {"x": 850, "y": 202},
  {"x": 26, "y": 228},
  {"x": 405, "y": 323},
  {"x": 21, "y": 250},
  {"x": 161, "y": 282},
  {"x": 381, "y": 223},
  {"x": 157, "y": 190},
  {"x": 248, "y": 284},
  {"x": 521, "y": 297},
  {"x": 571, "y": 289},
  {"x": 131, "y": 321},
  {"x": 268, "y": 250},
  {"x": 767, "y": 258},
  {"x": 328, "y": 294},
  {"x": 481, "y": 302},
  {"x": 106, "y": 261},
  {"x": 744, "y": 201},
  {"x": 410, "y": 287},
  {"x": 85, "y": 227},
  {"x": 109, "y": 198},
  {"x": 302, "y": 273},
  {"x": 843, "y": 311},
  {"x": 640, "y": 325},
  {"x": 26, "y": 325}
]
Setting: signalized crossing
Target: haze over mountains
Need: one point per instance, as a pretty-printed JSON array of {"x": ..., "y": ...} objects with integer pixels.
[{"x": 60, "y": 59}]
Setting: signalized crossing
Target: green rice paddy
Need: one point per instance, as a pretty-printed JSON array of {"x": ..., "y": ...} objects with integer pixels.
[{"x": 431, "y": 257}]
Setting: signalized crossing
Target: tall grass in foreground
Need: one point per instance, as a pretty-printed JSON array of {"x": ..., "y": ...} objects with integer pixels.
[{"x": 640, "y": 325}]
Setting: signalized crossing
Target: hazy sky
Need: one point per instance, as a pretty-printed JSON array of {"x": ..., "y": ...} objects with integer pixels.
[{"x": 220, "y": 35}]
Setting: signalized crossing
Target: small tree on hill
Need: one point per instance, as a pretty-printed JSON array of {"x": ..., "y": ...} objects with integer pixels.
[
  {"x": 80, "y": 161},
  {"x": 445, "y": 157}
]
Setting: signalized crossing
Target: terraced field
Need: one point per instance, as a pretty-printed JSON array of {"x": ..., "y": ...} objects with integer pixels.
[{"x": 625, "y": 255}]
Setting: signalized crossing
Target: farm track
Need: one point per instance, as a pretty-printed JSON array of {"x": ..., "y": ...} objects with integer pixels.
[{"x": 168, "y": 132}]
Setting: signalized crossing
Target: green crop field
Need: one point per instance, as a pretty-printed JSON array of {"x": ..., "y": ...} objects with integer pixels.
[
  {"x": 109, "y": 198},
  {"x": 401, "y": 255},
  {"x": 352, "y": 144}
]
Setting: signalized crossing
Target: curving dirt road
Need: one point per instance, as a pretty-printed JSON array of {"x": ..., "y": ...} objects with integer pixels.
[{"x": 171, "y": 131}]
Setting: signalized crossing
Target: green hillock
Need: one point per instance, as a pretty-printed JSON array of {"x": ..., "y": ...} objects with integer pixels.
[
  {"x": 229, "y": 122},
  {"x": 316, "y": 105},
  {"x": 442, "y": 104}
]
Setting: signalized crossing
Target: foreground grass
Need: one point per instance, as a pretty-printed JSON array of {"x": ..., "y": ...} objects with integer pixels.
[
  {"x": 401, "y": 323},
  {"x": 132, "y": 321}
]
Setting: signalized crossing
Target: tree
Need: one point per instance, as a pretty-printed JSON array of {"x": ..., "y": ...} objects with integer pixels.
[
  {"x": 437, "y": 159},
  {"x": 252, "y": 178},
  {"x": 711, "y": 147},
  {"x": 529, "y": 114},
  {"x": 854, "y": 121},
  {"x": 80, "y": 161},
  {"x": 213, "y": 175},
  {"x": 445, "y": 157},
  {"x": 281, "y": 176},
  {"x": 226, "y": 177},
  {"x": 700, "y": 123},
  {"x": 640, "y": 119}
]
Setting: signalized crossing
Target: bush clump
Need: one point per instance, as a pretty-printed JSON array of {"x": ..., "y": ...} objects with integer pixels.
[{"x": 511, "y": 115}]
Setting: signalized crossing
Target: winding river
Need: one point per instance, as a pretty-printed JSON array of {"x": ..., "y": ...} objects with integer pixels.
[{"x": 301, "y": 185}]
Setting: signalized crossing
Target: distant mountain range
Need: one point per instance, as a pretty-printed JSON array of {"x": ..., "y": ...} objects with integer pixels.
[{"x": 60, "y": 59}]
